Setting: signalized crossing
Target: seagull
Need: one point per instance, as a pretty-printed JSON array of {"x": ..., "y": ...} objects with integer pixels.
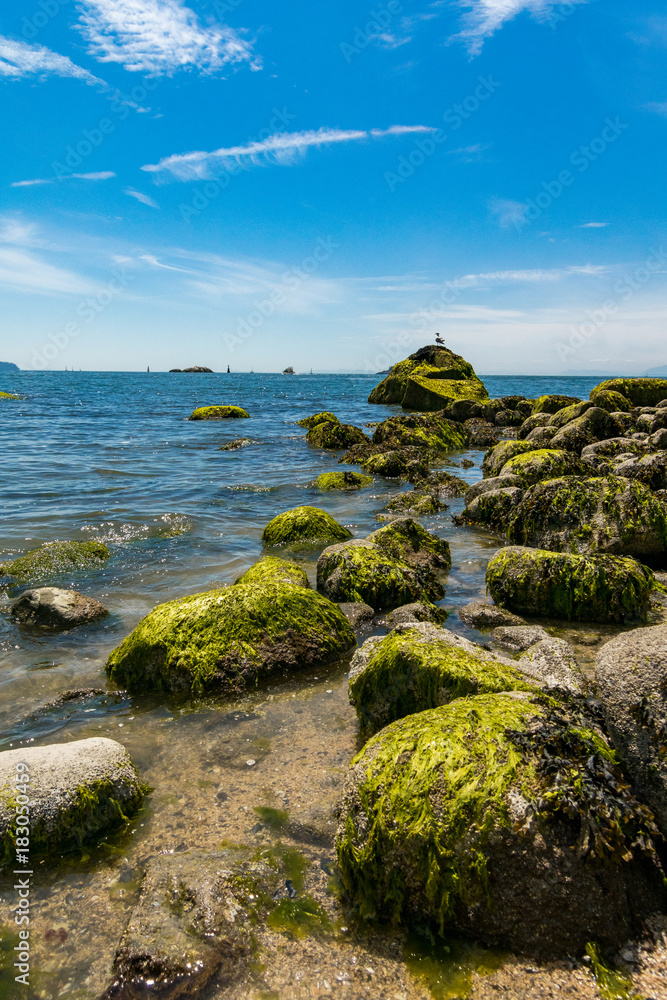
[{"x": 439, "y": 340}]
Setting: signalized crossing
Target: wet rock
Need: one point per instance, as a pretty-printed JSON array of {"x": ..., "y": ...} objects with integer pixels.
[
  {"x": 481, "y": 433},
  {"x": 614, "y": 402},
  {"x": 361, "y": 571},
  {"x": 445, "y": 483},
  {"x": 218, "y": 413},
  {"x": 493, "y": 509},
  {"x": 659, "y": 439},
  {"x": 500, "y": 454},
  {"x": 419, "y": 501},
  {"x": 318, "y": 418},
  {"x": 357, "y": 613},
  {"x": 610, "y": 515},
  {"x": 390, "y": 464},
  {"x": 194, "y": 919},
  {"x": 228, "y": 640},
  {"x": 532, "y": 423},
  {"x": 237, "y": 444},
  {"x": 76, "y": 790},
  {"x": 496, "y": 816},
  {"x": 553, "y": 665},
  {"x": 542, "y": 437},
  {"x": 554, "y": 403},
  {"x": 420, "y": 666},
  {"x": 595, "y": 425},
  {"x": 543, "y": 463},
  {"x": 479, "y": 615},
  {"x": 639, "y": 391},
  {"x": 429, "y": 380},
  {"x": 650, "y": 470},
  {"x": 420, "y": 430},
  {"x": 572, "y": 587},
  {"x": 517, "y": 638},
  {"x": 53, "y": 608},
  {"x": 417, "y": 612},
  {"x": 335, "y": 436},
  {"x": 486, "y": 485},
  {"x": 509, "y": 418},
  {"x": 305, "y": 526},
  {"x": 55, "y": 558},
  {"x": 343, "y": 481},
  {"x": 568, "y": 413},
  {"x": 631, "y": 677},
  {"x": 600, "y": 454},
  {"x": 271, "y": 569},
  {"x": 406, "y": 539}
]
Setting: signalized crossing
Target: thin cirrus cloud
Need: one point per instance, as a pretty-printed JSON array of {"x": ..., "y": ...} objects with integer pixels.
[
  {"x": 159, "y": 37},
  {"x": 283, "y": 148},
  {"x": 485, "y": 17},
  {"x": 100, "y": 175},
  {"x": 140, "y": 196},
  {"x": 19, "y": 60}
]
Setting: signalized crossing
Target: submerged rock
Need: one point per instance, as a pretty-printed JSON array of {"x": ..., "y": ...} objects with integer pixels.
[
  {"x": 335, "y": 436},
  {"x": 631, "y": 676},
  {"x": 429, "y": 379},
  {"x": 480, "y": 615},
  {"x": 494, "y": 509},
  {"x": 218, "y": 412},
  {"x": 271, "y": 569},
  {"x": 306, "y": 525},
  {"x": 53, "y": 608},
  {"x": 228, "y": 640},
  {"x": 497, "y": 816},
  {"x": 318, "y": 418},
  {"x": 357, "y": 613},
  {"x": 419, "y": 501},
  {"x": 76, "y": 790},
  {"x": 194, "y": 919},
  {"x": 419, "y": 611},
  {"x": 573, "y": 587},
  {"x": 343, "y": 481},
  {"x": 55, "y": 558},
  {"x": 237, "y": 444},
  {"x": 420, "y": 666},
  {"x": 361, "y": 571}
]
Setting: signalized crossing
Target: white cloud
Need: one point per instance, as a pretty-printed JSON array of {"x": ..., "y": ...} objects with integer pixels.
[
  {"x": 508, "y": 212},
  {"x": 140, "y": 196},
  {"x": 159, "y": 37},
  {"x": 593, "y": 225},
  {"x": 469, "y": 154},
  {"x": 100, "y": 175},
  {"x": 282, "y": 148},
  {"x": 659, "y": 107},
  {"x": 486, "y": 16},
  {"x": 19, "y": 60}
]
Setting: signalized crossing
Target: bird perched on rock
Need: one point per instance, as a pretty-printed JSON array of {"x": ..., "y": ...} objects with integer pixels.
[{"x": 439, "y": 340}]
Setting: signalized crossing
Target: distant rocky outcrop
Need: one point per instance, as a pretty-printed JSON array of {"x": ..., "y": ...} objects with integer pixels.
[
  {"x": 8, "y": 366},
  {"x": 195, "y": 368},
  {"x": 430, "y": 379}
]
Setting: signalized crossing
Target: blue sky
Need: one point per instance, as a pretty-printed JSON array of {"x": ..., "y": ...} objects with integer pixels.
[{"x": 258, "y": 184}]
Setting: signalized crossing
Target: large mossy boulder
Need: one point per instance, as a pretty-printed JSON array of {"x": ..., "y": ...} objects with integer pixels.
[
  {"x": 500, "y": 454},
  {"x": 429, "y": 379},
  {"x": 335, "y": 436},
  {"x": 228, "y": 640},
  {"x": 362, "y": 571},
  {"x": 568, "y": 413},
  {"x": 543, "y": 463},
  {"x": 271, "y": 569},
  {"x": 52, "y": 559},
  {"x": 76, "y": 792},
  {"x": 493, "y": 508},
  {"x": 433, "y": 432},
  {"x": 573, "y": 587},
  {"x": 611, "y": 516},
  {"x": 308, "y": 526},
  {"x": 343, "y": 481},
  {"x": 639, "y": 391},
  {"x": 406, "y": 539},
  {"x": 553, "y": 403},
  {"x": 318, "y": 418},
  {"x": 218, "y": 413},
  {"x": 532, "y": 423},
  {"x": 390, "y": 464},
  {"x": 631, "y": 681},
  {"x": 420, "y": 666},
  {"x": 609, "y": 400},
  {"x": 503, "y": 817},
  {"x": 594, "y": 425}
]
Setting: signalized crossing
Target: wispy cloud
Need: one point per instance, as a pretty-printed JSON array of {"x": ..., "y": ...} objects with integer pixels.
[
  {"x": 486, "y": 16},
  {"x": 159, "y": 37},
  {"x": 507, "y": 212},
  {"x": 469, "y": 154},
  {"x": 100, "y": 175},
  {"x": 19, "y": 60},
  {"x": 140, "y": 196},
  {"x": 658, "y": 107},
  {"x": 24, "y": 271},
  {"x": 281, "y": 148},
  {"x": 531, "y": 275},
  {"x": 593, "y": 225}
]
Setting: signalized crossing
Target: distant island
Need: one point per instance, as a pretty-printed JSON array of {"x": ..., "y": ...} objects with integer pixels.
[{"x": 8, "y": 366}]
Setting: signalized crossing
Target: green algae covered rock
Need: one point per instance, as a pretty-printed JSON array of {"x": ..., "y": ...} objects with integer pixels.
[
  {"x": 55, "y": 558},
  {"x": 497, "y": 815},
  {"x": 493, "y": 508},
  {"x": 594, "y": 425},
  {"x": 639, "y": 391},
  {"x": 430, "y": 379},
  {"x": 406, "y": 539},
  {"x": 271, "y": 569},
  {"x": 432, "y": 431},
  {"x": 420, "y": 666},
  {"x": 8, "y": 395},
  {"x": 543, "y": 463},
  {"x": 228, "y": 640},
  {"x": 335, "y": 436},
  {"x": 318, "y": 418},
  {"x": 304, "y": 526},
  {"x": 532, "y": 423},
  {"x": 496, "y": 457},
  {"x": 419, "y": 501},
  {"x": 361, "y": 571},
  {"x": 610, "y": 515},
  {"x": 613, "y": 402},
  {"x": 574, "y": 587},
  {"x": 390, "y": 464},
  {"x": 343, "y": 481},
  {"x": 552, "y": 404},
  {"x": 77, "y": 791},
  {"x": 218, "y": 413},
  {"x": 568, "y": 413}
]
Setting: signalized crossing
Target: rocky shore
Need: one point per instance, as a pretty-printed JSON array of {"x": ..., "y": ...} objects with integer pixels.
[{"x": 501, "y": 792}]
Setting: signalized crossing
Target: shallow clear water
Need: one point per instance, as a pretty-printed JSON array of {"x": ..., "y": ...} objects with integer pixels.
[{"x": 112, "y": 456}]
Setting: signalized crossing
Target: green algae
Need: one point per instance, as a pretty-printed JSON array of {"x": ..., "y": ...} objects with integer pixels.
[
  {"x": 407, "y": 540},
  {"x": 335, "y": 436},
  {"x": 8, "y": 395},
  {"x": 218, "y": 413},
  {"x": 390, "y": 464},
  {"x": 409, "y": 673},
  {"x": 363, "y": 572},
  {"x": 271, "y": 569},
  {"x": 446, "y": 967},
  {"x": 568, "y": 413},
  {"x": 227, "y": 640},
  {"x": 500, "y": 454},
  {"x": 301, "y": 917},
  {"x": 54, "y": 558},
  {"x": 419, "y": 501},
  {"x": 417, "y": 430},
  {"x": 612, "y": 985},
  {"x": 318, "y": 418},
  {"x": 343, "y": 481},
  {"x": 273, "y": 818},
  {"x": 543, "y": 463},
  {"x": 304, "y": 525},
  {"x": 553, "y": 403},
  {"x": 639, "y": 391},
  {"x": 428, "y": 380},
  {"x": 613, "y": 402}
]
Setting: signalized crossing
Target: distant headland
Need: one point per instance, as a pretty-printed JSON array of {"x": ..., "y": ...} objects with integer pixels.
[{"x": 9, "y": 366}]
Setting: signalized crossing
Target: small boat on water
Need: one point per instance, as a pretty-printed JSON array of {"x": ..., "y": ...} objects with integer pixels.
[{"x": 289, "y": 371}]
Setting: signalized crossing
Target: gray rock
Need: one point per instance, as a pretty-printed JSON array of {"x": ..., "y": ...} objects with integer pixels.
[
  {"x": 77, "y": 790},
  {"x": 532, "y": 423},
  {"x": 650, "y": 470},
  {"x": 516, "y": 638},
  {"x": 357, "y": 613},
  {"x": 481, "y": 615},
  {"x": 541, "y": 437},
  {"x": 53, "y": 608},
  {"x": 416, "y": 612},
  {"x": 659, "y": 439},
  {"x": 487, "y": 485},
  {"x": 194, "y": 919},
  {"x": 552, "y": 663},
  {"x": 631, "y": 676}
]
